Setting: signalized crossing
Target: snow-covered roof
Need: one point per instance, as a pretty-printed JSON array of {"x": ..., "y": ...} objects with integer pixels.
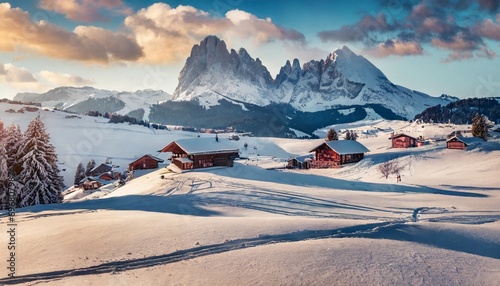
[
  {"x": 466, "y": 140},
  {"x": 150, "y": 156},
  {"x": 303, "y": 158},
  {"x": 183, "y": 160},
  {"x": 195, "y": 146},
  {"x": 344, "y": 147},
  {"x": 102, "y": 164},
  {"x": 402, "y": 134}
]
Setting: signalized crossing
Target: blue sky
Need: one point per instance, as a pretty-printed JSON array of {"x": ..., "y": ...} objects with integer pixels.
[{"x": 440, "y": 46}]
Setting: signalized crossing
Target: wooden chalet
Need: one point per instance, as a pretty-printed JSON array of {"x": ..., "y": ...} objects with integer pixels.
[
  {"x": 101, "y": 169},
  {"x": 404, "y": 141},
  {"x": 145, "y": 162},
  {"x": 334, "y": 153},
  {"x": 202, "y": 152},
  {"x": 459, "y": 142},
  {"x": 302, "y": 162}
]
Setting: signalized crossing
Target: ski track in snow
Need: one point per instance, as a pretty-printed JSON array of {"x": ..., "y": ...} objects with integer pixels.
[
  {"x": 382, "y": 230},
  {"x": 118, "y": 266}
]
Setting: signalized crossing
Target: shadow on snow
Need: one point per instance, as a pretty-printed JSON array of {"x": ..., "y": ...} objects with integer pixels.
[{"x": 384, "y": 230}]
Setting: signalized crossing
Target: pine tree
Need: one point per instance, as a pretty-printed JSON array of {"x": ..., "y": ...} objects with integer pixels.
[
  {"x": 354, "y": 135},
  {"x": 4, "y": 177},
  {"x": 348, "y": 135},
  {"x": 40, "y": 177},
  {"x": 79, "y": 174},
  {"x": 332, "y": 135},
  {"x": 479, "y": 126},
  {"x": 12, "y": 139},
  {"x": 2, "y": 132},
  {"x": 90, "y": 166}
]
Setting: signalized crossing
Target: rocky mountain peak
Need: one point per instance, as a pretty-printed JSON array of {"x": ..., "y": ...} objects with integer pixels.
[{"x": 212, "y": 73}]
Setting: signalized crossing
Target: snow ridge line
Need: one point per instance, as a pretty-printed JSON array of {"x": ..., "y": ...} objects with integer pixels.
[{"x": 187, "y": 254}]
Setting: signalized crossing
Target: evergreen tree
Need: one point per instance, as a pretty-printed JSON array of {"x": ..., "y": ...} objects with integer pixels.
[
  {"x": 332, "y": 135},
  {"x": 90, "y": 166},
  {"x": 354, "y": 135},
  {"x": 4, "y": 177},
  {"x": 39, "y": 176},
  {"x": 348, "y": 135},
  {"x": 2, "y": 132},
  {"x": 79, "y": 174},
  {"x": 479, "y": 126},
  {"x": 12, "y": 139}
]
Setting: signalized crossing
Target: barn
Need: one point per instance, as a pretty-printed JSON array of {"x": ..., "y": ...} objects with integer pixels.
[
  {"x": 403, "y": 141},
  {"x": 145, "y": 162},
  {"x": 302, "y": 162},
  {"x": 334, "y": 153},
  {"x": 202, "y": 152},
  {"x": 459, "y": 142}
]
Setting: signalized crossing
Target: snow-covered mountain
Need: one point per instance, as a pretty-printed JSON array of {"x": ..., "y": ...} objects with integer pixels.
[
  {"x": 83, "y": 99},
  {"x": 212, "y": 73}
]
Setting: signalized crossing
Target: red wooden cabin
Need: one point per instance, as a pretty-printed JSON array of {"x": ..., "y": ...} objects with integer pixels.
[
  {"x": 337, "y": 152},
  {"x": 403, "y": 141},
  {"x": 145, "y": 162},
  {"x": 459, "y": 142},
  {"x": 202, "y": 152}
]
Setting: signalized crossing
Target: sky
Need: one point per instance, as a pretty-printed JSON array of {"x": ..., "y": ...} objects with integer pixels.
[{"x": 437, "y": 47}]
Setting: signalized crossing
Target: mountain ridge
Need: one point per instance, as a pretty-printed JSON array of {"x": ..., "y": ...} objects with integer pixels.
[
  {"x": 341, "y": 79},
  {"x": 84, "y": 99}
]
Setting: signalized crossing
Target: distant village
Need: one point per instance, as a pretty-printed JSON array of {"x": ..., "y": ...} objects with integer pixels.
[{"x": 196, "y": 153}]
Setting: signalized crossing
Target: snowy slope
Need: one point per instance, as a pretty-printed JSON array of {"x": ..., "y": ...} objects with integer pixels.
[
  {"x": 248, "y": 225},
  {"x": 74, "y": 98}
]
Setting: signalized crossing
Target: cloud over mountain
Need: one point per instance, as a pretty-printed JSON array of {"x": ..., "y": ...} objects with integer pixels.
[{"x": 405, "y": 27}]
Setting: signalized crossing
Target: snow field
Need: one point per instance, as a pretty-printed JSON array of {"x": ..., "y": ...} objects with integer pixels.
[{"x": 249, "y": 225}]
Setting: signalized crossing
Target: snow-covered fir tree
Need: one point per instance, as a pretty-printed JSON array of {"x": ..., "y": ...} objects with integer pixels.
[
  {"x": 79, "y": 174},
  {"x": 90, "y": 165},
  {"x": 480, "y": 126},
  {"x": 39, "y": 176},
  {"x": 2, "y": 132},
  {"x": 4, "y": 178},
  {"x": 4, "y": 174},
  {"x": 12, "y": 139}
]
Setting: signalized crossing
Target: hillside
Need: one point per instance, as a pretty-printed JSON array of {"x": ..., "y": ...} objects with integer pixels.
[
  {"x": 254, "y": 224},
  {"x": 84, "y": 99},
  {"x": 462, "y": 111}
]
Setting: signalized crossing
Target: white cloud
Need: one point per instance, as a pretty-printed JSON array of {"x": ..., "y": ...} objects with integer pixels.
[
  {"x": 63, "y": 79},
  {"x": 12, "y": 74},
  {"x": 167, "y": 34}
]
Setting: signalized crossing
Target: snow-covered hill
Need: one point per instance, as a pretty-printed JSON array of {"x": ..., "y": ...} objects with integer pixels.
[
  {"x": 84, "y": 99},
  {"x": 253, "y": 224},
  {"x": 212, "y": 73}
]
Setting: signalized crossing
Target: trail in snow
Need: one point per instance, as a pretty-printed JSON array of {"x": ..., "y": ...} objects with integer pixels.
[
  {"x": 440, "y": 238},
  {"x": 118, "y": 266}
]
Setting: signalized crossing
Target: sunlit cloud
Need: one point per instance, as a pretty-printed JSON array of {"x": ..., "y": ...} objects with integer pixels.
[
  {"x": 167, "y": 34},
  {"x": 396, "y": 47},
  {"x": 85, "y": 10},
  {"x": 87, "y": 44},
  {"x": 64, "y": 79},
  {"x": 425, "y": 23}
]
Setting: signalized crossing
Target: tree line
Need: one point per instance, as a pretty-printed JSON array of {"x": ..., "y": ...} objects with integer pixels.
[
  {"x": 29, "y": 174},
  {"x": 461, "y": 111}
]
